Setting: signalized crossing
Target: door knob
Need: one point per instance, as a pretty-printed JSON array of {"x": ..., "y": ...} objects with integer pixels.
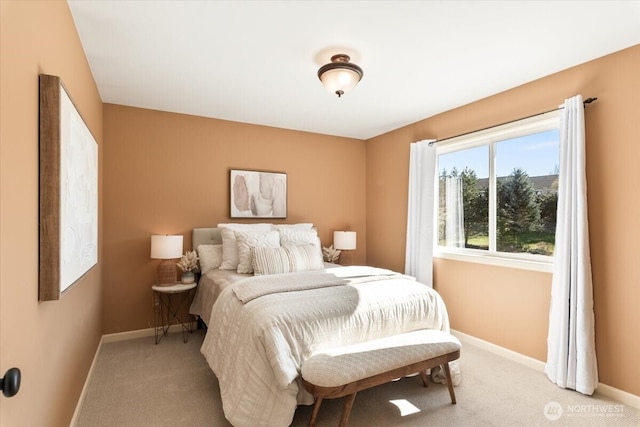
[{"x": 10, "y": 383}]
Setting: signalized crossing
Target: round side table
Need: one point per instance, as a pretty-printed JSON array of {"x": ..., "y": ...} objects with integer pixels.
[{"x": 168, "y": 300}]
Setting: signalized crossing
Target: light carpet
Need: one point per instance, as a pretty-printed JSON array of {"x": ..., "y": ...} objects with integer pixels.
[{"x": 137, "y": 383}]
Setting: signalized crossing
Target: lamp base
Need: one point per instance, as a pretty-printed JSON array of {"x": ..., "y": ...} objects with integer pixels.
[
  {"x": 345, "y": 258},
  {"x": 167, "y": 273}
]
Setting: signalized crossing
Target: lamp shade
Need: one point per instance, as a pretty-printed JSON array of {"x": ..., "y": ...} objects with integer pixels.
[
  {"x": 340, "y": 75},
  {"x": 344, "y": 240},
  {"x": 166, "y": 247}
]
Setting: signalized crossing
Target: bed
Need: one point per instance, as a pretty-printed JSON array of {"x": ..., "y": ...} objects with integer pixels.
[{"x": 262, "y": 325}]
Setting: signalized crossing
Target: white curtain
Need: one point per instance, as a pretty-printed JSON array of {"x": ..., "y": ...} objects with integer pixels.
[
  {"x": 454, "y": 218},
  {"x": 422, "y": 175},
  {"x": 571, "y": 354}
]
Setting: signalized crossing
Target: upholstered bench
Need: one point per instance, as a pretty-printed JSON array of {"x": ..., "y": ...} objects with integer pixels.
[{"x": 347, "y": 370}]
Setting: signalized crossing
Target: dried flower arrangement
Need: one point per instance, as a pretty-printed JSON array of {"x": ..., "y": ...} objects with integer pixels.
[
  {"x": 331, "y": 254},
  {"x": 189, "y": 261}
]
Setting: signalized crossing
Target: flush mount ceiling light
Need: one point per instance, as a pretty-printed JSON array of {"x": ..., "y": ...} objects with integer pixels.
[{"x": 340, "y": 75}]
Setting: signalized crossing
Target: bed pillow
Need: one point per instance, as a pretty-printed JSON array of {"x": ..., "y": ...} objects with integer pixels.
[
  {"x": 240, "y": 226},
  {"x": 298, "y": 236},
  {"x": 209, "y": 257},
  {"x": 270, "y": 260},
  {"x": 286, "y": 259},
  {"x": 229, "y": 244},
  {"x": 301, "y": 225},
  {"x": 304, "y": 257},
  {"x": 253, "y": 239},
  {"x": 229, "y": 250}
]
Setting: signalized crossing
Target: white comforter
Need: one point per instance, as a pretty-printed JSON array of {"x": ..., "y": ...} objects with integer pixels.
[{"x": 256, "y": 348}]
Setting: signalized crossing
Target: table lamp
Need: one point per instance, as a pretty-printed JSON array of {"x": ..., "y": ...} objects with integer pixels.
[
  {"x": 167, "y": 248},
  {"x": 344, "y": 240}
]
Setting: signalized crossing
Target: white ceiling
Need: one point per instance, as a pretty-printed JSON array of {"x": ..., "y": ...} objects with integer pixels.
[{"x": 256, "y": 61}]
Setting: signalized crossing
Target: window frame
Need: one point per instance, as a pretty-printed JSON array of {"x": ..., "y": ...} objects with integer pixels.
[{"x": 489, "y": 137}]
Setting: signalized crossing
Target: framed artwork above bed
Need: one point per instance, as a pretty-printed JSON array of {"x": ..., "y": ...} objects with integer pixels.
[{"x": 257, "y": 194}]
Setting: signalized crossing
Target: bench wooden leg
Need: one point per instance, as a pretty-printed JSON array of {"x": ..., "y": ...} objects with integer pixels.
[
  {"x": 425, "y": 379},
  {"x": 316, "y": 409},
  {"x": 348, "y": 404},
  {"x": 447, "y": 373}
]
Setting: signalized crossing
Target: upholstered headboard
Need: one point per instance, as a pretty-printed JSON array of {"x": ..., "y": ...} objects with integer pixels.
[{"x": 205, "y": 236}]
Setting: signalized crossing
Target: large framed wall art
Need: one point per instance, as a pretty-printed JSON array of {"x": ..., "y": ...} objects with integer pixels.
[
  {"x": 257, "y": 194},
  {"x": 68, "y": 192}
]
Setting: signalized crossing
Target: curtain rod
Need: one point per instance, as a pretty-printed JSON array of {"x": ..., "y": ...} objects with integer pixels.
[{"x": 584, "y": 103}]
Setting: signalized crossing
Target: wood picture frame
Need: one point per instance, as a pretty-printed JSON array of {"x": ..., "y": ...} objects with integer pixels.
[
  {"x": 68, "y": 231},
  {"x": 257, "y": 194}
]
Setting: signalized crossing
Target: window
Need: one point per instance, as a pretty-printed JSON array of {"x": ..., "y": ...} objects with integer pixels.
[{"x": 497, "y": 191}]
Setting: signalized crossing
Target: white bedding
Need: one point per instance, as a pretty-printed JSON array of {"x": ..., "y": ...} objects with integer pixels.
[
  {"x": 210, "y": 286},
  {"x": 256, "y": 348}
]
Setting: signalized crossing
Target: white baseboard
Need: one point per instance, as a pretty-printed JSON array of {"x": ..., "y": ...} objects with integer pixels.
[
  {"x": 140, "y": 333},
  {"x": 619, "y": 395},
  {"x": 120, "y": 336},
  {"x": 501, "y": 351},
  {"x": 602, "y": 389},
  {"x": 76, "y": 413}
]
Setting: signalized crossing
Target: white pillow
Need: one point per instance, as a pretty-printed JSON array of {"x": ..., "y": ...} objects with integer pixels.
[
  {"x": 302, "y": 225},
  {"x": 298, "y": 236},
  {"x": 286, "y": 259},
  {"x": 210, "y": 257},
  {"x": 252, "y": 239},
  {"x": 246, "y": 227},
  {"x": 304, "y": 258},
  {"x": 229, "y": 244},
  {"x": 270, "y": 261}
]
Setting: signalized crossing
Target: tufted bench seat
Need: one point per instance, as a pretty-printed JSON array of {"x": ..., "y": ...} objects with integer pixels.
[{"x": 347, "y": 370}]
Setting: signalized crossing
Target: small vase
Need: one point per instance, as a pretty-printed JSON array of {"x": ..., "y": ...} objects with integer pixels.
[{"x": 188, "y": 277}]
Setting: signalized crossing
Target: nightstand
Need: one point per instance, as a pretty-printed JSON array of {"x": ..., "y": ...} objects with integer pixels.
[{"x": 168, "y": 301}]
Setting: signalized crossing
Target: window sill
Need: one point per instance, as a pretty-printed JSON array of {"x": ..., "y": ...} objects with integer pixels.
[{"x": 532, "y": 265}]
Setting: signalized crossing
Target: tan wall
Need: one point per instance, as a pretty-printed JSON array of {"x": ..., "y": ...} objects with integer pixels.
[
  {"x": 169, "y": 173},
  {"x": 510, "y": 307},
  {"x": 53, "y": 343}
]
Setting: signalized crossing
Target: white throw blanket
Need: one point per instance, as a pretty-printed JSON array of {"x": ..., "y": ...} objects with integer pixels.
[
  {"x": 254, "y": 287},
  {"x": 256, "y": 348}
]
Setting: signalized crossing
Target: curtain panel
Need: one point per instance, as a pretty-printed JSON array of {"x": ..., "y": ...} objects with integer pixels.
[
  {"x": 420, "y": 212},
  {"x": 454, "y": 212},
  {"x": 571, "y": 355}
]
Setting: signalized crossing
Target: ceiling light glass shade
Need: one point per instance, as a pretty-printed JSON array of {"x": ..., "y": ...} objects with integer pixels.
[{"x": 340, "y": 76}]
